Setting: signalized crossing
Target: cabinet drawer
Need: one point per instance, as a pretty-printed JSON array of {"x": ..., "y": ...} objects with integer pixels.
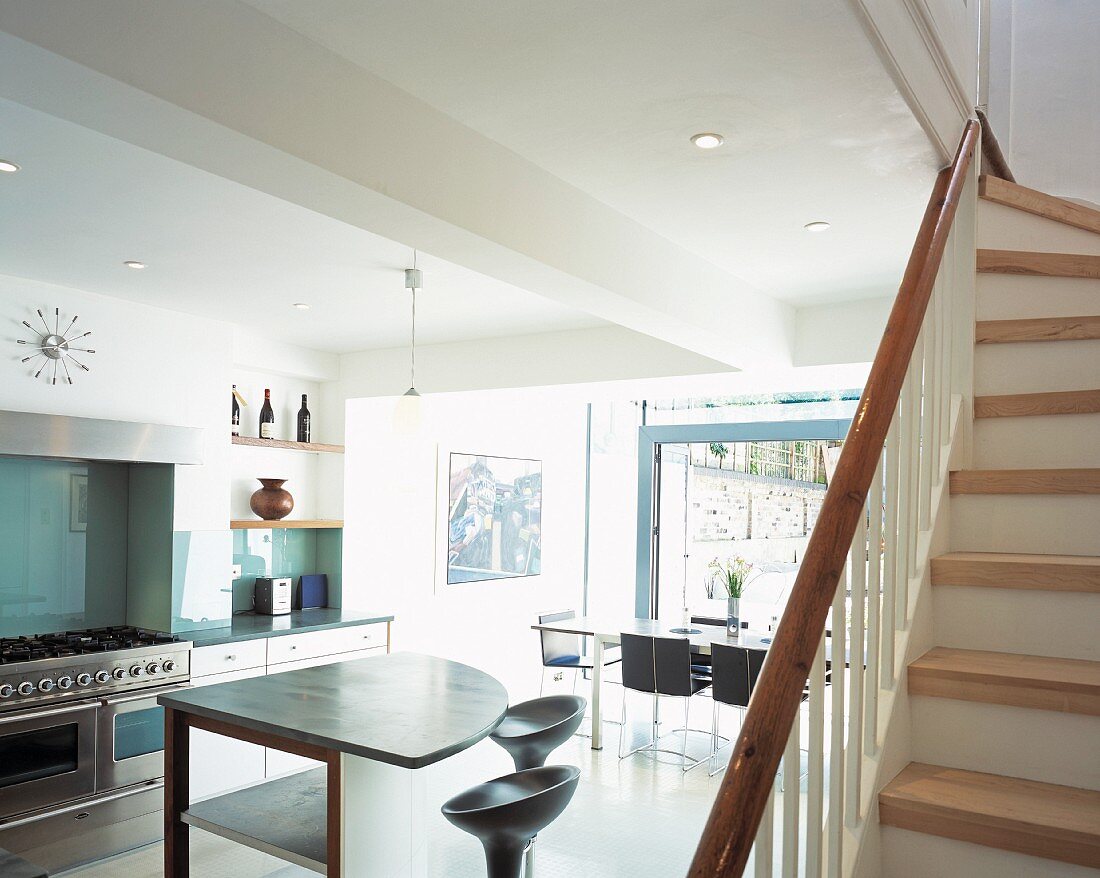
[
  {"x": 318, "y": 660},
  {"x": 312, "y": 644},
  {"x": 227, "y": 657}
]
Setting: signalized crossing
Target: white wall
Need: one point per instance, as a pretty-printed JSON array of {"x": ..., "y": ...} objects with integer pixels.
[
  {"x": 1044, "y": 93},
  {"x": 395, "y": 517},
  {"x": 848, "y": 332},
  {"x": 150, "y": 365}
]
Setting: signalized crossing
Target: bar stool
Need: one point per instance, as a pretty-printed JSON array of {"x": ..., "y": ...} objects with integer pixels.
[
  {"x": 505, "y": 814},
  {"x": 530, "y": 731}
]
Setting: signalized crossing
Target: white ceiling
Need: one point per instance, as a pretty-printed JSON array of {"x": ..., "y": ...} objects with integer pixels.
[
  {"x": 605, "y": 95},
  {"x": 84, "y": 202}
]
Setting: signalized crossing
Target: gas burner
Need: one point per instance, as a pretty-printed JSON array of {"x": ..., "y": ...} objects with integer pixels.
[{"x": 62, "y": 644}]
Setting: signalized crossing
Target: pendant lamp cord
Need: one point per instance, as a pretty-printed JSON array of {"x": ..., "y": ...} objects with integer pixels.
[{"x": 412, "y": 364}]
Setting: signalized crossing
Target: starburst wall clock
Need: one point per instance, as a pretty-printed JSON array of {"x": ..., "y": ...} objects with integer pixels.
[{"x": 55, "y": 348}]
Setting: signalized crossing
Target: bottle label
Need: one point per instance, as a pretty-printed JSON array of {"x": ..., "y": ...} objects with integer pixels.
[{"x": 265, "y": 430}]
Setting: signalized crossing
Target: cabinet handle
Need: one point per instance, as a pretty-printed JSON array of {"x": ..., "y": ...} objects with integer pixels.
[
  {"x": 230, "y": 658},
  {"x": 294, "y": 647}
]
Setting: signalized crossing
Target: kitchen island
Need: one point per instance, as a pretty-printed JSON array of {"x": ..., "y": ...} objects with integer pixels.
[{"x": 375, "y": 723}]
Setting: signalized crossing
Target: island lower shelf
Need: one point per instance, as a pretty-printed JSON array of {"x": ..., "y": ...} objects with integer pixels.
[{"x": 285, "y": 818}]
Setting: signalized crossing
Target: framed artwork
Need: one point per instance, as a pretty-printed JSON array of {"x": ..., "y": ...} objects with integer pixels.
[
  {"x": 494, "y": 518},
  {"x": 78, "y": 502}
]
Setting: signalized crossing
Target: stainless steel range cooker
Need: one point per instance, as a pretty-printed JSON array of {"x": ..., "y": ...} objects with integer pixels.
[{"x": 82, "y": 741}]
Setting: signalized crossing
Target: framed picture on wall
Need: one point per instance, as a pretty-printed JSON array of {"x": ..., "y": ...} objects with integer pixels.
[
  {"x": 78, "y": 502},
  {"x": 494, "y": 518}
]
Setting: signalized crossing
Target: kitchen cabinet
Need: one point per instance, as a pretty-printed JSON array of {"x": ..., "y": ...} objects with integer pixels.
[{"x": 220, "y": 764}]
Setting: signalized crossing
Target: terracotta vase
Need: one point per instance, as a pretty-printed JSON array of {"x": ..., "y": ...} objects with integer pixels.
[{"x": 272, "y": 501}]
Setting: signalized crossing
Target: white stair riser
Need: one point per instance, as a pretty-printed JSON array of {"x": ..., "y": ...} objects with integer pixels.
[
  {"x": 1037, "y": 442},
  {"x": 1061, "y": 625},
  {"x": 1061, "y": 748},
  {"x": 1010, "y": 297},
  {"x": 908, "y": 854},
  {"x": 1053, "y": 525},
  {"x": 1034, "y": 367},
  {"x": 1006, "y": 228}
]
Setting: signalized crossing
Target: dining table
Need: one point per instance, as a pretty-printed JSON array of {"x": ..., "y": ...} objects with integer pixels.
[{"x": 607, "y": 632}]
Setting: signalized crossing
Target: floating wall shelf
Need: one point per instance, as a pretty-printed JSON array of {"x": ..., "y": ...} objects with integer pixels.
[
  {"x": 303, "y": 523},
  {"x": 314, "y": 447}
]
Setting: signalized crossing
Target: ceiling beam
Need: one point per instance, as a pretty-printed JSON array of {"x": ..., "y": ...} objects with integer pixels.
[{"x": 226, "y": 89}]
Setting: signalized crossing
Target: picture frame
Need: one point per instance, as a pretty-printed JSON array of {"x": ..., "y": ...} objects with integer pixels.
[
  {"x": 493, "y": 518},
  {"x": 78, "y": 502}
]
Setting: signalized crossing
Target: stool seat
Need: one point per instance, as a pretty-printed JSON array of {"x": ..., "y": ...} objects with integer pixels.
[
  {"x": 532, "y": 730},
  {"x": 506, "y": 813}
]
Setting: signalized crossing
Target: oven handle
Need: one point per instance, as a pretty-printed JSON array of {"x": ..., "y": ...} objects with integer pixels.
[
  {"x": 22, "y": 716},
  {"x": 112, "y": 700}
]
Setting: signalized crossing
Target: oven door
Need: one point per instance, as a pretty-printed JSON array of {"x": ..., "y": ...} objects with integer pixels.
[
  {"x": 47, "y": 756},
  {"x": 131, "y": 739}
]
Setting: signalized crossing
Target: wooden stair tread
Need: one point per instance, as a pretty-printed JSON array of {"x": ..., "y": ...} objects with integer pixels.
[
  {"x": 1041, "y": 819},
  {"x": 1036, "y": 263},
  {"x": 1035, "y": 681},
  {"x": 1059, "y": 402},
  {"x": 1038, "y": 329},
  {"x": 1039, "y": 203},
  {"x": 1026, "y": 481},
  {"x": 1018, "y": 571}
]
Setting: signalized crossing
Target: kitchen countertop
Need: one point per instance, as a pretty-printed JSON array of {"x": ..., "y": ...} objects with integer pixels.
[
  {"x": 404, "y": 709},
  {"x": 251, "y": 626}
]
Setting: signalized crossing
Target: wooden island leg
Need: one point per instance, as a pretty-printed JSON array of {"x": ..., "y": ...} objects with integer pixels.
[
  {"x": 177, "y": 795},
  {"x": 334, "y": 819}
]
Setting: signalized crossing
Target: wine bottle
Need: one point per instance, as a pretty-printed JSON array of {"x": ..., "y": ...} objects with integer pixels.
[
  {"x": 303, "y": 421},
  {"x": 236, "y": 413},
  {"x": 267, "y": 417}
]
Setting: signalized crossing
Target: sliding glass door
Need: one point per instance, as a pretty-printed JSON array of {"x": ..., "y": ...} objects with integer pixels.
[{"x": 719, "y": 491}]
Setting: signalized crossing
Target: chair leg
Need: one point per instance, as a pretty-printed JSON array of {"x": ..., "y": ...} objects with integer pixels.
[
  {"x": 687, "y": 723},
  {"x": 529, "y": 860}
]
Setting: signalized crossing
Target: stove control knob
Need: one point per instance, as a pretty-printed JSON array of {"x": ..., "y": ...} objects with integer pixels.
[
  {"x": 25, "y": 688},
  {"x": 152, "y": 668},
  {"x": 119, "y": 673},
  {"x": 102, "y": 677},
  {"x": 7, "y": 690},
  {"x": 64, "y": 683},
  {"x": 45, "y": 685},
  {"x": 136, "y": 671},
  {"x": 169, "y": 666},
  {"x": 85, "y": 679}
]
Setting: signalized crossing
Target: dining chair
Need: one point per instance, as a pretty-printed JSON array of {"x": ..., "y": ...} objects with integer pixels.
[
  {"x": 735, "y": 672},
  {"x": 561, "y": 650},
  {"x": 660, "y": 667}
]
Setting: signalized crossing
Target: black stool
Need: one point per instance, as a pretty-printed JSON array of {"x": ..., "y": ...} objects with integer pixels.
[
  {"x": 532, "y": 730},
  {"x": 506, "y": 813}
]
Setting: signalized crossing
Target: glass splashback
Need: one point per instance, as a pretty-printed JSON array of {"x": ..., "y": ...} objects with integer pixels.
[{"x": 62, "y": 545}]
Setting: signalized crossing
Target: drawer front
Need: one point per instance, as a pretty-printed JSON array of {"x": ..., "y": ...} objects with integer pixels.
[
  {"x": 318, "y": 660},
  {"x": 313, "y": 644},
  {"x": 226, "y": 657}
]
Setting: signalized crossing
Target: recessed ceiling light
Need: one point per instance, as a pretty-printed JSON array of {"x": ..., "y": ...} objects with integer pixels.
[
  {"x": 8, "y": 167},
  {"x": 301, "y": 306},
  {"x": 708, "y": 140},
  {"x": 817, "y": 226},
  {"x": 134, "y": 264}
]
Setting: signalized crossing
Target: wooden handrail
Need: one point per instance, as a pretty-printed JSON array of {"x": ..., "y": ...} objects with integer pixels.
[
  {"x": 731, "y": 828},
  {"x": 996, "y": 163}
]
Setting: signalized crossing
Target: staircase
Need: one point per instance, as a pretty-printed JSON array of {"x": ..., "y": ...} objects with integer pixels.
[{"x": 1004, "y": 710}]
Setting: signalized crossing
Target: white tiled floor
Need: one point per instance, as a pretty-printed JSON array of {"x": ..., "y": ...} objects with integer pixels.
[{"x": 637, "y": 817}]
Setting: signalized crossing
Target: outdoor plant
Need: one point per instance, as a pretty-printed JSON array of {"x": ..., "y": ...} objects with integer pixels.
[{"x": 733, "y": 574}]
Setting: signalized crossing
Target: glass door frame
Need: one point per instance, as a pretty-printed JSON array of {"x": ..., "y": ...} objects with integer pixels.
[{"x": 650, "y": 440}]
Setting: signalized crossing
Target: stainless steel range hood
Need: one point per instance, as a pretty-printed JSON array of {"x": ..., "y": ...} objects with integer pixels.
[{"x": 27, "y": 434}]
